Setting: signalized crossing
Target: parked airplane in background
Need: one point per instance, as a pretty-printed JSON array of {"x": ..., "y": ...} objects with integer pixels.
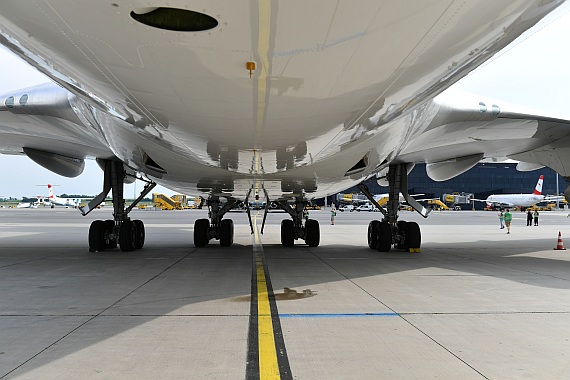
[
  {"x": 247, "y": 100},
  {"x": 26, "y": 205},
  {"x": 521, "y": 200},
  {"x": 58, "y": 201}
]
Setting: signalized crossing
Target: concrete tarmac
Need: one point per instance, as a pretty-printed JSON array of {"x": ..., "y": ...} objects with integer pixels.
[{"x": 474, "y": 303}]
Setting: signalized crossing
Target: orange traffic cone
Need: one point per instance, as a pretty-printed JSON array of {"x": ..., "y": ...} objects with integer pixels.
[{"x": 559, "y": 246}]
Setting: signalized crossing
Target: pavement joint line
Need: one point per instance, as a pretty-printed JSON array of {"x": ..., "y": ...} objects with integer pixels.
[
  {"x": 400, "y": 315},
  {"x": 92, "y": 317},
  {"x": 29, "y": 261}
]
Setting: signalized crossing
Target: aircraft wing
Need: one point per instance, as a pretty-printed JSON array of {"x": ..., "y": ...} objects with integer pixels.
[
  {"x": 456, "y": 130},
  {"x": 48, "y": 118}
]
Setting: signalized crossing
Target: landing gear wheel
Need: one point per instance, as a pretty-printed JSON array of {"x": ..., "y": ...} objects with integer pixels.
[
  {"x": 127, "y": 236},
  {"x": 201, "y": 232},
  {"x": 413, "y": 237},
  {"x": 313, "y": 233},
  {"x": 97, "y": 236},
  {"x": 226, "y": 232},
  {"x": 373, "y": 234},
  {"x": 140, "y": 234},
  {"x": 384, "y": 237},
  {"x": 109, "y": 233},
  {"x": 287, "y": 233},
  {"x": 403, "y": 234}
]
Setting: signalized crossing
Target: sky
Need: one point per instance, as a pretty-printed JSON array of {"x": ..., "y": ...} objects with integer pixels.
[{"x": 531, "y": 72}]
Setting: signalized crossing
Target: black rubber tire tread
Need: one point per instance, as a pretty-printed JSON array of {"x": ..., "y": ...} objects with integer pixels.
[
  {"x": 109, "y": 225},
  {"x": 313, "y": 232},
  {"x": 384, "y": 237},
  {"x": 226, "y": 232},
  {"x": 201, "y": 227},
  {"x": 97, "y": 236},
  {"x": 140, "y": 235},
  {"x": 127, "y": 236},
  {"x": 373, "y": 234},
  {"x": 414, "y": 236},
  {"x": 287, "y": 233},
  {"x": 403, "y": 231}
]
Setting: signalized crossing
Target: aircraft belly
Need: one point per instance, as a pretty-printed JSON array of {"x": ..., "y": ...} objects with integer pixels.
[
  {"x": 326, "y": 64},
  {"x": 335, "y": 84}
]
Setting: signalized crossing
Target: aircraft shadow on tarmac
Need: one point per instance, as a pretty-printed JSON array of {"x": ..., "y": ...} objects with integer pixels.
[{"x": 158, "y": 281}]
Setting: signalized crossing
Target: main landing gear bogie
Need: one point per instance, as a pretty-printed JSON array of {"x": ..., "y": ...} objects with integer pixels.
[
  {"x": 103, "y": 235},
  {"x": 203, "y": 232},
  {"x": 310, "y": 233},
  {"x": 405, "y": 235},
  {"x": 121, "y": 230}
]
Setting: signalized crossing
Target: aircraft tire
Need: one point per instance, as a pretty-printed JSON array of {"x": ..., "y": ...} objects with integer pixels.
[
  {"x": 413, "y": 236},
  {"x": 287, "y": 233},
  {"x": 97, "y": 236},
  {"x": 384, "y": 237},
  {"x": 201, "y": 227},
  {"x": 226, "y": 232},
  {"x": 127, "y": 236},
  {"x": 109, "y": 226},
  {"x": 373, "y": 234},
  {"x": 140, "y": 234},
  {"x": 313, "y": 233}
]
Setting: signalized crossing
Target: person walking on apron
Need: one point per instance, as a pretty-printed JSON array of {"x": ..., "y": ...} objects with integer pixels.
[{"x": 508, "y": 219}]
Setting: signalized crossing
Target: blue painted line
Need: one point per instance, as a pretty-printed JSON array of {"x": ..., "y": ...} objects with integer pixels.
[{"x": 341, "y": 315}]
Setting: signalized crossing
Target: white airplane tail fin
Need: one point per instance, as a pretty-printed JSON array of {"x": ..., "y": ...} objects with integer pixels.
[
  {"x": 50, "y": 192},
  {"x": 538, "y": 188}
]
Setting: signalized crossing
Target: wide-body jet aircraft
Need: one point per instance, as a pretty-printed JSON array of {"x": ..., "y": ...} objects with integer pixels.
[{"x": 285, "y": 101}]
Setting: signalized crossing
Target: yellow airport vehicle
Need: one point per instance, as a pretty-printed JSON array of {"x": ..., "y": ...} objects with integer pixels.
[
  {"x": 439, "y": 204},
  {"x": 176, "y": 202},
  {"x": 548, "y": 207}
]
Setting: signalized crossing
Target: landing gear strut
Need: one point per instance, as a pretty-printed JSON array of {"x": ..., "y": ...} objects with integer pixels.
[
  {"x": 403, "y": 235},
  {"x": 218, "y": 228},
  {"x": 300, "y": 227},
  {"x": 107, "y": 234}
]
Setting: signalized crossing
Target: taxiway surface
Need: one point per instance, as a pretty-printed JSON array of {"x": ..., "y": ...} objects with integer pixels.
[{"x": 474, "y": 303}]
